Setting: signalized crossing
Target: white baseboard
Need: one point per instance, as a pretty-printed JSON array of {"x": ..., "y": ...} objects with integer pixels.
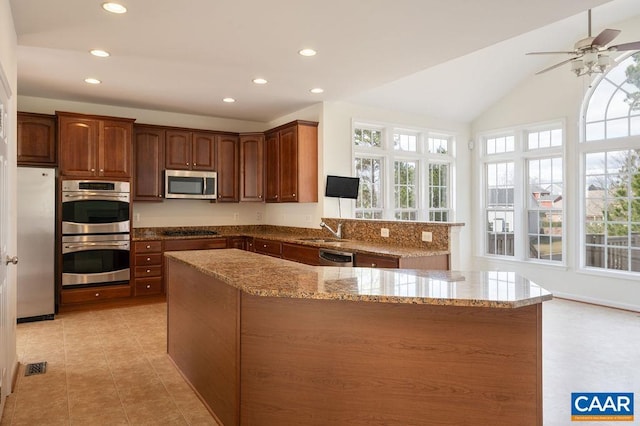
[{"x": 594, "y": 301}]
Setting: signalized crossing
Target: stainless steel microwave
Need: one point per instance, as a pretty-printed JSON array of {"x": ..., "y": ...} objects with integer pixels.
[{"x": 190, "y": 184}]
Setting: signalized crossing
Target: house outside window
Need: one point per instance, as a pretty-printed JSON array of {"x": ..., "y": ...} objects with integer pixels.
[
  {"x": 405, "y": 174},
  {"x": 523, "y": 177},
  {"x": 610, "y": 157}
]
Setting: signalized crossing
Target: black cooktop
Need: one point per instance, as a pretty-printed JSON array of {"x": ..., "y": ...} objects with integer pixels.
[{"x": 188, "y": 232}]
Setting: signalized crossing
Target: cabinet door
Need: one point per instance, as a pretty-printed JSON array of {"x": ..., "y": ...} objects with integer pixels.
[
  {"x": 148, "y": 163},
  {"x": 252, "y": 167},
  {"x": 203, "y": 151},
  {"x": 227, "y": 168},
  {"x": 272, "y": 166},
  {"x": 374, "y": 261},
  {"x": 114, "y": 149},
  {"x": 178, "y": 150},
  {"x": 288, "y": 164},
  {"x": 78, "y": 139},
  {"x": 36, "y": 139}
]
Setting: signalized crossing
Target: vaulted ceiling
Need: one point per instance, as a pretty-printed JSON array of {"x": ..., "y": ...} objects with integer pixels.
[{"x": 187, "y": 56}]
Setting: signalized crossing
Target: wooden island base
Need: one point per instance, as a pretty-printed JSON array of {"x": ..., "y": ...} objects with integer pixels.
[{"x": 282, "y": 361}]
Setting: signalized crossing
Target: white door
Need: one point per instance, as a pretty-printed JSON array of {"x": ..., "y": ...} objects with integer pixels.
[{"x": 7, "y": 244}]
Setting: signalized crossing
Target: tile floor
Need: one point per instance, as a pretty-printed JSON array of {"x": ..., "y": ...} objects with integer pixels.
[
  {"x": 105, "y": 367},
  {"x": 110, "y": 367}
]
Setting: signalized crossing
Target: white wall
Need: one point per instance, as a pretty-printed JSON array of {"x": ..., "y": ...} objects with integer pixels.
[
  {"x": 557, "y": 94},
  {"x": 8, "y": 66}
]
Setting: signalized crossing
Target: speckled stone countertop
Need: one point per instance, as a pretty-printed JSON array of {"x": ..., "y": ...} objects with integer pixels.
[
  {"x": 354, "y": 246},
  {"x": 260, "y": 275}
]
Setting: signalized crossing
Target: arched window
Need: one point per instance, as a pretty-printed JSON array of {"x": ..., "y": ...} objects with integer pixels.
[
  {"x": 610, "y": 154},
  {"x": 613, "y": 110}
]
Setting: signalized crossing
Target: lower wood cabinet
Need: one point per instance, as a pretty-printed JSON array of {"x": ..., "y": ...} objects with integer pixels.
[
  {"x": 147, "y": 268},
  {"x": 237, "y": 242},
  {"x": 301, "y": 253},
  {"x": 94, "y": 294},
  {"x": 195, "y": 244},
  {"x": 436, "y": 262},
  {"x": 269, "y": 247}
]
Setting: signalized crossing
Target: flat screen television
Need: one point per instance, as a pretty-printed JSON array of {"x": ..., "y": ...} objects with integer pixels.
[{"x": 342, "y": 187}]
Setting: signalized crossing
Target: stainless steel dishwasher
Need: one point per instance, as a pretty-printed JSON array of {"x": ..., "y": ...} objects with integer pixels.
[{"x": 335, "y": 258}]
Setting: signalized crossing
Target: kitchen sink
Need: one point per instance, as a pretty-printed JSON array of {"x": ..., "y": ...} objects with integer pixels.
[{"x": 321, "y": 240}]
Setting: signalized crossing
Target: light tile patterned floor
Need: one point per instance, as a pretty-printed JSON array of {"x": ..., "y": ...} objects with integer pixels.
[
  {"x": 105, "y": 367},
  {"x": 110, "y": 367}
]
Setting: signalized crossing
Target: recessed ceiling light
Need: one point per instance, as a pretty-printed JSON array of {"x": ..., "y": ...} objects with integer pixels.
[
  {"x": 92, "y": 80},
  {"x": 316, "y": 90},
  {"x": 100, "y": 53},
  {"x": 259, "y": 81},
  {"x": 114, "y": 7},
  {"x": 307, "y": 52},
  {"x": 228, "y": 100}
]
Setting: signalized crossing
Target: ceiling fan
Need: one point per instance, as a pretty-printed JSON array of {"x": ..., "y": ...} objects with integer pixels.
[{"x": 590, "y": 55}]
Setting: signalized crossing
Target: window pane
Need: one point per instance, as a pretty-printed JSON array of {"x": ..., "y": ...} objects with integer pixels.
[
  {"x": 500, "y": 208},
  {"x": 405, "y": 142},
  {"x": 405, "y": 189},
  {"x": 369, "y": 193},
  {"x": 545, "y": 209},
  {"x": 367, "y": 138},
  {"x": 438, "y": 145}
]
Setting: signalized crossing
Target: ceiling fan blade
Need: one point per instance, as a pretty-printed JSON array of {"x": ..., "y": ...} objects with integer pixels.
[
  {"x": 557, "y": 65},
  {"x": 634, "y": 45},
  {"x": 551, "y": 53},
  {"x": 605, "y": 37}
]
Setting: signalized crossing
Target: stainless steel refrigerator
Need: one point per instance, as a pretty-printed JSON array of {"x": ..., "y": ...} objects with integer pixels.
[{"x": 36, "y": 243}]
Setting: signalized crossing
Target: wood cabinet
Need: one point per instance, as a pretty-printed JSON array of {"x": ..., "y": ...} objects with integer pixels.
[
  {"x": 148, "y": 162},
  {"x": 195, "y": 244},
  {"x": 236, "y": 242},
  {"x": 435, "y": 262},
  {"x": 94, "y": 146},
  {"x": 301, "y": 253},
  {"x": 147, "y": 268},
  {"x": 252, "y": 167},
  {"x": 36, "y": 139},
  {"x": 190, "y": 150},
  {"x": 270, "y": 247},
  {"x": 228, "y": 174},
  {"x": 84, "y": 296},
  {"x": 291, "y": 163}
]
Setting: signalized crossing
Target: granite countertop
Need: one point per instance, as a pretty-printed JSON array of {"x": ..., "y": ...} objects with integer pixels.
[
  {"x": 354, "y": 246},
  {"x": 267, "y": 276}
]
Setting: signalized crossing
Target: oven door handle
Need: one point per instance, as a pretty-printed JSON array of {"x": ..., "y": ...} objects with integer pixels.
[
  {"x": 93, "y": 245},
  {"x": 95, "y": 194}
]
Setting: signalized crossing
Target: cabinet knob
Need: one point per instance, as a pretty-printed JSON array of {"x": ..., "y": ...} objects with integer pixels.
[
  {"x": 293, "y": 195},
  {"x": 187, "y": 164},
  {"x": 159, "y": 195},
  {"x": 148, "y": 246},
  {"x": 93, "y": 170},
  {"x": 276, "y": 196},
  {"x": 148, "y": 270},
  {"x": 373, "y": 265},
  {"x": 148, "y": 259},
  {"x": 259, "y": 196},
  {"x": 97, "y": 294},
  {"x": 195, "y": 164},
  {"x": 101, "y": 170},
  {"x": 265, "y": 246},
  {"x": 148, "y": 285}
]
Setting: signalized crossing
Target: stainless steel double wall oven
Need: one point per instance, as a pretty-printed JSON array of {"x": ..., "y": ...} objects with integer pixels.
[{"x": 95, "y": 232}]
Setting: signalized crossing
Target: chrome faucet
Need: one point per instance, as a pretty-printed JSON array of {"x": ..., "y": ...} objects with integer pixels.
[{"x": 338, "y": 233}]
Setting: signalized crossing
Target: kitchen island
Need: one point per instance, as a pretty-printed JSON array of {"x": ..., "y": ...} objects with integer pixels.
[{"x": 264, "y": 341}]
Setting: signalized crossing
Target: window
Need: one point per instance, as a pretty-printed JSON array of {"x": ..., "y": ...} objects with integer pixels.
[
  {"x": 523, "y": 193},
  {"x": 610, "y": 155},
  {"x": 404, "y": 174}
]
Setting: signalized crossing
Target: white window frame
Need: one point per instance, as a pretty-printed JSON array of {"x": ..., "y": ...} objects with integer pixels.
[
  {"x": 520, "y": 157},
  {"x": 423, "y": 158}
]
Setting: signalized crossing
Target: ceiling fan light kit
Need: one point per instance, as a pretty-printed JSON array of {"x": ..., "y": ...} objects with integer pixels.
[{"x": 591, "y": 54}]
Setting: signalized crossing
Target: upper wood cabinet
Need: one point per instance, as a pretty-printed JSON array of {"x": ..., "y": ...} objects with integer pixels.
[
  {"x": 187, "y": 150},
  {"x": 227, "y": 168},
  {"x": 36, "y": 139},
  {"x": 94, "y": 146},
  {"x": 252, "y": 167},
  {"x": 291, "y": 157},
  {"x": 148, "y": 162}
]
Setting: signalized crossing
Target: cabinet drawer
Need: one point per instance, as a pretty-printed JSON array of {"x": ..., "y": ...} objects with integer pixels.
[
  {"x": 147, "y": 246},
  {"x": 148, "y": 271},
  {"x": 301, "y": 254},
  {"x": 273, "y": 248},
  {"x": 148, "y": 286},
  {"x": 148, "y": 259},
  {"x": 95, "y": 294},
  {"x": 195, "y": 244},
  {"x": 372, "y": 261}
]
